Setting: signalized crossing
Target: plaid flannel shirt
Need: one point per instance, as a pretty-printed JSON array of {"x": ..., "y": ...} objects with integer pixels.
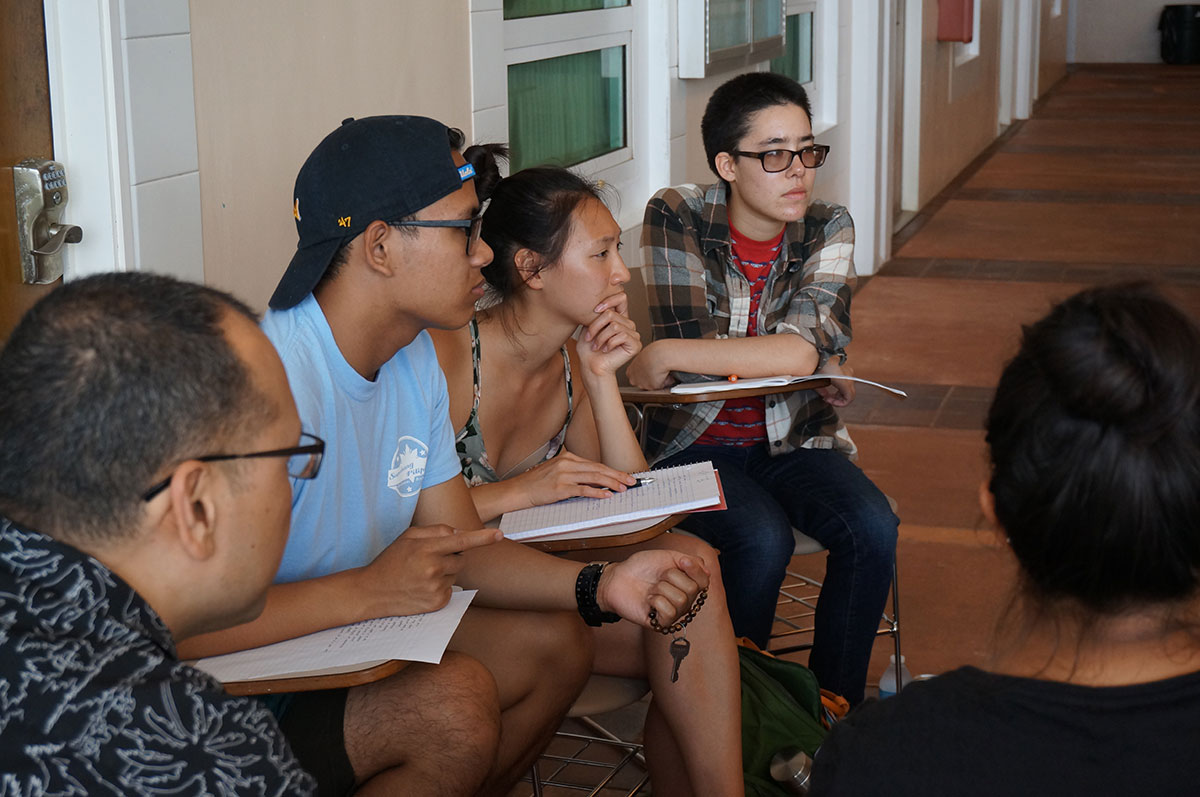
[{"x": 694, "y": 291}]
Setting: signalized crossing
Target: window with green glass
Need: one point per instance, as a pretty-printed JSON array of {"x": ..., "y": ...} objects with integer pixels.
[
  {"x": 519, "y": 9},
  {"x": 767, "y": 15},
  {"x": 796, "y": 61},
  {"x": 566, "y": 110}
]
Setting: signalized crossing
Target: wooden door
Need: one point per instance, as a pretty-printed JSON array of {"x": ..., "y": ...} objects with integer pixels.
[{"x": 24, "y": 133}]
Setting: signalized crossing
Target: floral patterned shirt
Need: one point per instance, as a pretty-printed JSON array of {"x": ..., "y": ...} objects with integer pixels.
[{"x": 94, "y": 699}]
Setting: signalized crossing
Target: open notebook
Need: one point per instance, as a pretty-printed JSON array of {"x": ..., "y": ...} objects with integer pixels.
[
  {"x": 684, "y": 488},
  {"x": 720, "y": 385}
]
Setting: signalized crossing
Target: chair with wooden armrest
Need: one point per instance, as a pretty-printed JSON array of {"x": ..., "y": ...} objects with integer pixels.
[{"x": 798, "y": 594}]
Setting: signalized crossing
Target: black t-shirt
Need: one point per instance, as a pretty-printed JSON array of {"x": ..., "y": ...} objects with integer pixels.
[{"x": 973, "y": 732}]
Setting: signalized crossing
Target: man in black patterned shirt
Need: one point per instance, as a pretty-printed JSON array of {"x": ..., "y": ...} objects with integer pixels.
[{"x": 148, "y": 433}]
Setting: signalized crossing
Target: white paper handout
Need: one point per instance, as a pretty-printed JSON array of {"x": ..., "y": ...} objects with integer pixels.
[
  {"x": 720, "y": 385},
  {"x": 679, "y": 489},
  {"x": 417, "y": 637}
]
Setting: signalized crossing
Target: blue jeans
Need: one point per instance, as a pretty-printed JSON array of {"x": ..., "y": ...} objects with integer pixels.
[{"x": 823, "y": 494}]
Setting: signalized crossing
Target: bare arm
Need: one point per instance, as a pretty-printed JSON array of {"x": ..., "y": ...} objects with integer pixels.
[
  {"x": 512, "y": 576},
  {"x": 601, "y": 446},
  {"x": 680, "y": 275},
  {"x": 412, "y": 575},
  {"x": 291, "y": 610},
  {"x": 600, "y": 429},
  {"x": 767, "y": 355}
]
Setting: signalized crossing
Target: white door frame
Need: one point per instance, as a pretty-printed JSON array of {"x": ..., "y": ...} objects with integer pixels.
[
  {"x": 1028, "y": 33},
  {"x": 88, "y": 122},
  {"x": 910, "y": 177},
  {"x": 1008, "y": 61},
  {"x": 870, "y": 108}
]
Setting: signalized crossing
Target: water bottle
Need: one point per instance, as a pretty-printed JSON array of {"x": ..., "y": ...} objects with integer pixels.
[
  {"x": 887, "y": 681},
  {"x": 792, "y": 767}
]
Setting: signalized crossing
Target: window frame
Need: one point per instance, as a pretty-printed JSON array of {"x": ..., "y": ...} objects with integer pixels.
[
  {"x": 554, "y": 49},
  {"x": 497, "y": 43},
  {"x": 822, "y": 90},
  {"x": 695, "y": 58},
  {"x": 812, "y": 41}
]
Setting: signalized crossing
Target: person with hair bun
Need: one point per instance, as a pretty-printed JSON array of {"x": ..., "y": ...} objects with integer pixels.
[
  {"x": 556, "y": 428},
  {"x": 1094, "y": 443}
]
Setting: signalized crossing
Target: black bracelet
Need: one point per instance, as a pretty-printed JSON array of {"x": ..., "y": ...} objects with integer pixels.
[{"x": 585, "y": 596}]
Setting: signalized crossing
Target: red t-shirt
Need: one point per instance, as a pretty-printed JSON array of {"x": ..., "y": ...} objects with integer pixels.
[{"x": 742, "y": 422}]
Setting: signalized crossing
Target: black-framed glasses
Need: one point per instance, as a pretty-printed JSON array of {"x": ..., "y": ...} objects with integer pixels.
[
  {"x": 473, "y": 226},
  {"x": 778, "y": 160},
  {"x": 304, "y": 461}
]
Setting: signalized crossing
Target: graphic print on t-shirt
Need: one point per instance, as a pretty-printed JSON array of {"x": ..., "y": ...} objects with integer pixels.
[{"x": 408, "y": 466}]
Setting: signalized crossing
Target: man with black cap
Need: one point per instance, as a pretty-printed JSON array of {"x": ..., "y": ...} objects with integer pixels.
[{"x": 388, "y": 219}]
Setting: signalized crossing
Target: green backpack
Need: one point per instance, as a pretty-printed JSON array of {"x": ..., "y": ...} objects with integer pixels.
[{"x": 781, "y": 707}]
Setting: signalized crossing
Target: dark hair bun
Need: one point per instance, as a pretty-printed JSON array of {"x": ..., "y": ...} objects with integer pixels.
[
  {"x": 486, "y": 160},
  {"x": 1103, "y": 366},
  {"x": 1094, "y": 438}
]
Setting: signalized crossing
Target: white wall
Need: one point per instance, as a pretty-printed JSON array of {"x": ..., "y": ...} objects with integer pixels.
[
  {"x": 1116, "y": 31},
  {"x": 164, "y": 169},
  {"x": 273, "y": 77},
  {"x": 125, "y": 128}
]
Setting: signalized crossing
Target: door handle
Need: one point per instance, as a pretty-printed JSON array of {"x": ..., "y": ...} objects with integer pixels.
[
  {"x": 59, "y": 234},
  {"x": 40, "y": 188}
]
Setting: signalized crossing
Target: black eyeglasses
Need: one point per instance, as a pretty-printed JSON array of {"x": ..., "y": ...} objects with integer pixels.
[
  {"x": 473, "y": 226},
  {"x": 304, "y": 461},
  {"x": 778, "y": 160}
]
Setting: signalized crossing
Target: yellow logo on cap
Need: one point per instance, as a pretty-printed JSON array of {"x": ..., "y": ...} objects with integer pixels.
[
  {"x": 344, "y": 221},
  {"x": 296, "y": 209}
]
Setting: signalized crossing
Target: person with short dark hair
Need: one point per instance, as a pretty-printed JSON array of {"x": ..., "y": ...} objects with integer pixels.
[
  {"x": 556, "y": 429},
  {"x": 751, "y": 276},
  {"x": 148, "y": 436},
  {"x": 391, "y": 203},
  {"x": 1094, "y": 688}
]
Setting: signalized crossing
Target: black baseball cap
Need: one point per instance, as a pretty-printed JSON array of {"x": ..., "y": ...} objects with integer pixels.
[{"x": 380, "y": 167}]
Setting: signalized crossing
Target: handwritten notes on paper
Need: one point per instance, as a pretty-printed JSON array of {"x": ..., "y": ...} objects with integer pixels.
[
  {"x": 418, "y": 637},
  {"x": 679, "y": 489}
]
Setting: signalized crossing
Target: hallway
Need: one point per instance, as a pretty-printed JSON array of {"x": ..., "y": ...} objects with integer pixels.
[{"x": 1102, "y": 184}]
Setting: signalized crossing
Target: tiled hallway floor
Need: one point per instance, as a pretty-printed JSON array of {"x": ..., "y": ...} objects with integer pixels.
[{"x": 1102, "y": 184}]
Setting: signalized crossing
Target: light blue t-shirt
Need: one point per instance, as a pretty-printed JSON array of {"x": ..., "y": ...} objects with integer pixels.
[{"x": 384, "y": 441}]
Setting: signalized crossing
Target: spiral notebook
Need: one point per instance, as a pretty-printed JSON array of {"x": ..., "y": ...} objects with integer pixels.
[{"x": 683, "y": 488}]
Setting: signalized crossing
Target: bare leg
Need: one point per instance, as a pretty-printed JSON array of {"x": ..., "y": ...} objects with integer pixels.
[
  {"x": 428, "y": 729},
  {"x": 701, "y": 713},
  {"x": 664, "y": 759},
  {"x": 540, "y": 661}
]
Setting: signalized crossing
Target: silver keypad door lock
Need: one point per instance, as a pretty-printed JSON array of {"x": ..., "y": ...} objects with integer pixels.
[{"x": 41, "y": 195}]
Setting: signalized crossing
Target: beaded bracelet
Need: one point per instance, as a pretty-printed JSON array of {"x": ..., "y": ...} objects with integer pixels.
[
  {"x": 679, "y": 624},
  {"x": 585, "y": 595}
]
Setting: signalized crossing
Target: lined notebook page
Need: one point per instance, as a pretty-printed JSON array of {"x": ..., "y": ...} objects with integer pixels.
[
  {"x": 679, "y": 489},
  {"x": 418, "y": 637}
]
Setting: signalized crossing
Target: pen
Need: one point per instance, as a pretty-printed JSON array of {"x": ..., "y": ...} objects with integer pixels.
[{"x": 638, "y": 483}]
